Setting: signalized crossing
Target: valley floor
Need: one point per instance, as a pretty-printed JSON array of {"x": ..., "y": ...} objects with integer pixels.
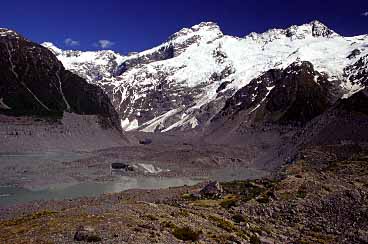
[
  {"x": 43, "y": 168},
  {"x": 320, "y": 198}
]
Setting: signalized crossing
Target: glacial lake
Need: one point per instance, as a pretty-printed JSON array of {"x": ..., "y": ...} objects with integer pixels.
[{"x": 12, "y": 195}]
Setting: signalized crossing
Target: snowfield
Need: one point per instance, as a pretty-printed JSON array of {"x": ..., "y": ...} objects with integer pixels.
[{"x": 172, "y": 86}]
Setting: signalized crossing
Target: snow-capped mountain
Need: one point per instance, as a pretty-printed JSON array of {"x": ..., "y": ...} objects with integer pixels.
[
  {"x": 186, "y": 81},
  {"x": 93, "y": 66}
]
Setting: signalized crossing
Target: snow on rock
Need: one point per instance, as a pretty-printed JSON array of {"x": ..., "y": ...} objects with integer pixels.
[
  {"x": 157, "y": 124},
  {"x": 183, "y": 83},
  {"x": 129, "y": 125},
  {"x": 149, "y": 168},
  {"x": 57, "y": 51},
  {"x": 8, "y": 33},
  {"x": 91, "y": 65},
  {"x": 356, "y": 75},
  {"x": 3, "y": 105}
]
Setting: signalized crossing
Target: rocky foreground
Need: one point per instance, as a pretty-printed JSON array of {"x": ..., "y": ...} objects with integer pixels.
[{"x": 321, "y": 197}]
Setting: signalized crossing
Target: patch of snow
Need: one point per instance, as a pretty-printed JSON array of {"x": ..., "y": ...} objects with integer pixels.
[
  {"x": 269, "y": 89},
  {"x": 129, "y": 125},
  {"x": 149, "y": 168},
  {"x": 154, "y": 124},
  {"x": 351, "y": 88},
  {"x": 52, "y": 48},
  {"x": 3, "y": 105}
]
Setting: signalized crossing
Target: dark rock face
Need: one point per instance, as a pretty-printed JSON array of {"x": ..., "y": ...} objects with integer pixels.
[
  {"x": 346, "y": 122},
  {"x": 294, "y": 95},
  {"x": 219, "y": 54},
  {"x": 356, "y": 103},
  {"x": 354, "y": 53},
  {"x": 34, "y": 82},
  {"x": 319, "y": 29},
  {"x": 297, "y": 96},
  {"x": 250, "y": 95},
  {"x": 226, "y": 72},
  {"x": 222, "y": 86},
  {"x": 358, "y": 72},
  {"x": 165, "y": 52}
]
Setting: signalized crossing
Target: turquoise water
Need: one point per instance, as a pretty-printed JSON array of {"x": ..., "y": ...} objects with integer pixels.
[
  {"x": 10, "y": 195},
  {"x": 13, "y": 195}
]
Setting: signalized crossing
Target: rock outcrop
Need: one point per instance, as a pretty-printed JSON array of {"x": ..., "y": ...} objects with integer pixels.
[
  {"x": 34, "y": 82},
  {"x": 294, "y": 95}
]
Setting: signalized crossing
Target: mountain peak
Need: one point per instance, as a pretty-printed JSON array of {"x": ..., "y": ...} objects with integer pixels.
[
  {"x": 207, "y": 30},
  {"x": 7, "y": 32},
  {"x": 52, "y": 47},
  {"x": 321, "y": 30},
  {"x": 313, "y": 29},
  {"x": 206, "y": 25}
]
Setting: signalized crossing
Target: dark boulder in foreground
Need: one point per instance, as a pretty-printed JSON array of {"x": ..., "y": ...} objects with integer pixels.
[
  {"x": 212, "y": 190},
  {"x": 87, "y": 234}
]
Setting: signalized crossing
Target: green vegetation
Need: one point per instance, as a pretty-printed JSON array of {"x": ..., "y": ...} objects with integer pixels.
[
  {"x": 189, "y": 197},
  {"x": 301, "y": 193},
  {"x": 222, "y": 223},
  {"x": 266, "y": 197},
  {"x": 229, "y": 201},
  {"x": 186, "y": 233},
  {"x": 248, "y": 189},
  {"x": 180, "y": 213},
  {"x": 238, "y": 218},
  {"x": 168, "y": 224},
  {"x": 30, "y": 217},
  {"x": 151, "y": 217},
  {"x": 206, "y": 203},
  {"x": 255, "y": 240},
  {"x": 224, "y": 239}
]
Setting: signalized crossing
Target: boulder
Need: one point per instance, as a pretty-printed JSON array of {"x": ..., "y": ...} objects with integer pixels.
[
  {"x": 85, "y": 233},
  {"x": 145, "y": 141},
  {"x": 119, "y": 166},
  {"x": 122, "y": 166},
  {"x": 212, "y": 189}
]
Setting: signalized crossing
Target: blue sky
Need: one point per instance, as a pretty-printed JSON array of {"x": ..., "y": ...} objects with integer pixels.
[{"x": 137, "y": 25}]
